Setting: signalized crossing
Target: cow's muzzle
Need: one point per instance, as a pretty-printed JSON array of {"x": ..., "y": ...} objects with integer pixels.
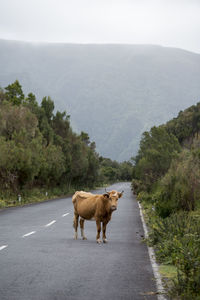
[{"x": 113, "y": 208}]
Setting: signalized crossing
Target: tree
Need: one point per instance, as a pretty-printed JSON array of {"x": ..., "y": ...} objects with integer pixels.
[
  {"x": 2, "y": 95},
  {"x": 14, "y": 93},
  {"x": 14, "y": 119},
  {"x": 48, "y": 107},
  {"x": 157, "y": 149},
  {"x": 31, "y": 100},
  {"x": 85, "y": 138},
  {"x": 61, "y": 124}
]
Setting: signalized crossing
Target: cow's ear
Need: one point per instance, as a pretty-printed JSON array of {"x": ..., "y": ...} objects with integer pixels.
[
  {"x": 120, "y": 194},
  {"x": 106, "y": 195}
]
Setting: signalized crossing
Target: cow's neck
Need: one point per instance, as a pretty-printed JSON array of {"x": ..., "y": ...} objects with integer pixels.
[{"x": 108, "y": 209}]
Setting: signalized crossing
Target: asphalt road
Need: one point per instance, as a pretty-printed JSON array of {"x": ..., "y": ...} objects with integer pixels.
[{"x": 40, "y": 260}]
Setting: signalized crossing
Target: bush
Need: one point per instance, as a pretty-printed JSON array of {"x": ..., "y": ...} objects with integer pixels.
[
  {"x": 179, "y": 189},
  {"x": 187, "y": 283},
  {"x": 2, "y": 204},
  {"x": 177, "y": 241},
  {"x": 137, "y": 186},
  {"x": 144, "y": 196},
  {"x": 157, "y": 149}
]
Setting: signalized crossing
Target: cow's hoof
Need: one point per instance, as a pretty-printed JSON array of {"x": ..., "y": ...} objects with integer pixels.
[
  {"x": 105, "y": 240},
  {"x": 84, "y": 238},
  {"x": 76, "y": 237},
  {"x": 98, "y": 241}
]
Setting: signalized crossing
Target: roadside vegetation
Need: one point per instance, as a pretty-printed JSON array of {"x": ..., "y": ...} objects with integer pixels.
[
  {"x": 167, "y": 182},
  {"x": 41, "y": 156}
]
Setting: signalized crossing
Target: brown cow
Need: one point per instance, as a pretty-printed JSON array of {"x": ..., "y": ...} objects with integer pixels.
[{"x": 97, "y": 208}]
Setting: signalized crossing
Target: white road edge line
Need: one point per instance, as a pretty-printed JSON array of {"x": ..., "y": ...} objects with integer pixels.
[
  {"x": 65, "y": 215},
  {"x": 3, "y": 247},
  {"x": 154, "y": 264},
  {"x": 51, "y": 223},
  {"x": 30, "y": 233}
]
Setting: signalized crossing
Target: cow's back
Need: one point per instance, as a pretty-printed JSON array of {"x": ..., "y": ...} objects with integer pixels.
[
  {"x": 80, "y": 195},
  {"x": 85, "y": 204}
]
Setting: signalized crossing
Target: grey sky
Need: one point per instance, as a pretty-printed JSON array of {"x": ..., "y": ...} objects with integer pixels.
[{"x": 174, "y": 23}]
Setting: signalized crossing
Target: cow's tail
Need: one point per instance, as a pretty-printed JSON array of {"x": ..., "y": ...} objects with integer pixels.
[{"x": 74, "y": 197}]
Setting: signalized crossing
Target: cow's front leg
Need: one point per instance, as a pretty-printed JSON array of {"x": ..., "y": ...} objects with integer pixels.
[
  {"x": 104, "y": 232},
  {"x": 98, "y": 223},
  {"x": 82, "y": 229},
  {"x": 76, "y": 216}
]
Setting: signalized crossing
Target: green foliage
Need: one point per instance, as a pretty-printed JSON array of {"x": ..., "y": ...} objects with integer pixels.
[
  {"x": 186, "y": 125},
  {"x": 138, "y": 186},
  {"x": 48, "y": 107},
  {"x": 111, "y": 171},
  {"x": 157, "y": 149},
  {"x": 2, "y": 95},
  {"x": 167, "y": 177},
  {"x": 179, "y": 189},
  {"x": 52, "y": 165},
  {"x": 176, "y": 241},
  {"x": 170, "y": 175},
  {"x": 14, "y": 93},
  {"x": 126, "y": 171},
  {"x": 85, "y": 137},
  {"x": 14, "y": 119},
  {"x": 39, "y": 148}
]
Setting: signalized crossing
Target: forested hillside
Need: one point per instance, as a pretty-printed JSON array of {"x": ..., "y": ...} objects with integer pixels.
[
  {"x": 113, "y": 92},
  {"x": 38, "y": 148},
  {"x": 167, "y": 181}
]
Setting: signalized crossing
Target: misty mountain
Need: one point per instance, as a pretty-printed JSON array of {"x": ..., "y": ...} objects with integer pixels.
[{"x": 113, "y": 92}]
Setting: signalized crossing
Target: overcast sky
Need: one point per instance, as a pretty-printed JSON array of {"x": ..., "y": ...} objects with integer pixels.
[{"x": 174, "y": 23}]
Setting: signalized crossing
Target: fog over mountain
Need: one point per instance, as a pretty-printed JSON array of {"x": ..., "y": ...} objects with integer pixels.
[{"x": 113, "y": 92}]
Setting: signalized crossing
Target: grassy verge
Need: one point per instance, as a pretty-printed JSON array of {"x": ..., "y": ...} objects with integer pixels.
[
  {"x": 168, "y": 272},
  {"x": 37, "y": 195},
  {"x": 176, "y": 241},
  {"x": 34, "y": 195}
]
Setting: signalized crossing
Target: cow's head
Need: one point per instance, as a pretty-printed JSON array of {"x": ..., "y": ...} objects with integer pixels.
[{"x": 112, "y": 198}]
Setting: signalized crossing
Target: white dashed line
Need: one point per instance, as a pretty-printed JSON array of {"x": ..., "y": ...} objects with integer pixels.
[
  {"x": 3, "y": 247},
  {"x": 51, "y": 223},
  {"x": 30, "y": 233},
  {"x": 65, "y": 215}
]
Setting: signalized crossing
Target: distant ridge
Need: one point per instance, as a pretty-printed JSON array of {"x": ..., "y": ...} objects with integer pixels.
[{"x": 114, "y": 92}]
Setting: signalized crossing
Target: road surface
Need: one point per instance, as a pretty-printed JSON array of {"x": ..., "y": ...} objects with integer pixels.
[{"x": 40, "y": 260}]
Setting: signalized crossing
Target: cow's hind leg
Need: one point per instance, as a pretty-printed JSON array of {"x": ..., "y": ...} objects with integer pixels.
[
  {"x": 98, "y": 223},
  {"x": 82, "y": 229},
  {"x": 75, "y": 224}
]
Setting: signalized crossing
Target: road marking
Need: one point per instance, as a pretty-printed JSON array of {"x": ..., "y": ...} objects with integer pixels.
[
  {"x": 152, "y": 257},
  {"x": 65, "y": 215},
  {"x": 3, "y": 247},
  {"x": 30, "y": 233},
  {"x": 51, "y": 223}
]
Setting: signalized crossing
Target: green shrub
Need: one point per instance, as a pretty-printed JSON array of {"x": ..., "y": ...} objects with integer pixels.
[
  {"x": 157, "y": 149},
  {"x": 179, "y": 189},
  {"x": 144, "y": 196},
  {"x": 187, "y": 261},
  {"x": 137, "y": 186},
  {"x": 2, "y": 204},
  {"x": 177, "y": 241}
]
